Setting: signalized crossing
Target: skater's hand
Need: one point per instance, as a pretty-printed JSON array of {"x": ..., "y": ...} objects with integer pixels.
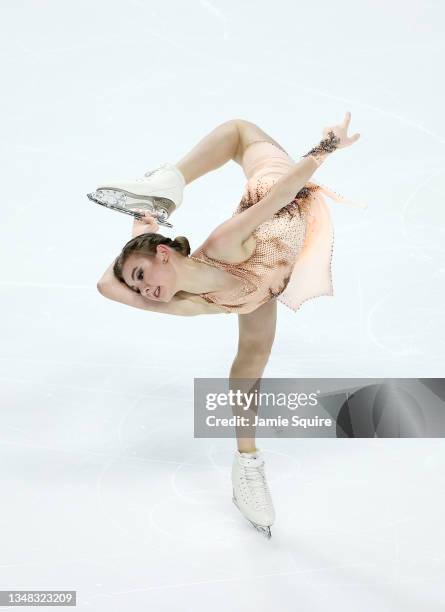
[
  {"x": 340, "y": 132},
  {"x": 147, "y": 224}
]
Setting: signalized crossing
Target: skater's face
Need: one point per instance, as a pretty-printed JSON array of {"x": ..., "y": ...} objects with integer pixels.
[{"x": 152, "y": 276}]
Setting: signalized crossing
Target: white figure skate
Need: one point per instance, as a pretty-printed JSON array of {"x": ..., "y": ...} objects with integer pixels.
[
  {"x": 251, "y": 493},
  {"x": 159, "y": 192}
]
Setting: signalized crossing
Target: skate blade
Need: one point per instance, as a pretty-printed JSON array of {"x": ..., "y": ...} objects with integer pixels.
[
  {"x": 264, "y": 530},
  {"x": 128, "y": 199},
  {"x": 260, "y": 528},
  {"x": 121, "y": 203}
]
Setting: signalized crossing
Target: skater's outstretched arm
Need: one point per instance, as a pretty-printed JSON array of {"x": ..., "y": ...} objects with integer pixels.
[{"x": 234, "y": 232}]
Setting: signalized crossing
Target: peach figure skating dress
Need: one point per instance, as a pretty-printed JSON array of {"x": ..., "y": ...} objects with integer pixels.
[{"x": 293, "y": 253}]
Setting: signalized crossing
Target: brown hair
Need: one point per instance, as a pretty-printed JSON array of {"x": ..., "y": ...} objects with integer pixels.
[{"x": 146, "y": 244}]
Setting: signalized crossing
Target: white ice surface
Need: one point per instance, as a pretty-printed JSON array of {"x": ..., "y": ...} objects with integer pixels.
[{"x": 104, "y": 489}]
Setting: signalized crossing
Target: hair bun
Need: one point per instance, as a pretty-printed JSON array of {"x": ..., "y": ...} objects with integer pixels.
[
  {"x": 183, "y": 244},
  {"x": 146, "y": 244}
]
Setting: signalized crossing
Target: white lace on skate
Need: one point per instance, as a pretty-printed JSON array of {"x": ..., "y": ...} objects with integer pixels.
[
  {"x": 256, "y": 480},
  {"x": 151, "y": 172}
]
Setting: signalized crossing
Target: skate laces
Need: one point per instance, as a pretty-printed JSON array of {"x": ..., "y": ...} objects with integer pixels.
[
  {"x": 161, "y": 167},
  {"x": 256, "y": 480}
]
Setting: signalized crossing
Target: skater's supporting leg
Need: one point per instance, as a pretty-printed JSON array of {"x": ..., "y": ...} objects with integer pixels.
[{"x": 256, "y": 336}]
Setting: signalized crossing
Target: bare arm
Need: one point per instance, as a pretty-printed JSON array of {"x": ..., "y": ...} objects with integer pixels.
[
  {"x": 237, "y": 229},
  {"x": 110, "y": 287},
  {"x": 233, "y": 233}
]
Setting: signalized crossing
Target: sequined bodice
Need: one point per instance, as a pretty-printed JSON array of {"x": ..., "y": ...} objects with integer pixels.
[
  {"x": 292, "y": 256},
  {"x": 267, "y": 271}
]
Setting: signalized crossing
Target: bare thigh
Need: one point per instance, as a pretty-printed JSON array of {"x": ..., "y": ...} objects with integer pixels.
[
  {"x": 249, "y": 133},
  {"x": 257, "y": 329}
]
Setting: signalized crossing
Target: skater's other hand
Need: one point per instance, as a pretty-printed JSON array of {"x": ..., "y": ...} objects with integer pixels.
[
  {"x": 341, "y": 132},
  {"x": 148, "y": 223}
]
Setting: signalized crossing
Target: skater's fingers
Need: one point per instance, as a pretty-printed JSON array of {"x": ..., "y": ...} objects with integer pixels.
[
  {"x": 346, "y": 121},
  {"x": 150, "y": 220},
  {"x": 146, "y": 216},
  {"x": 153, "y": 222}
]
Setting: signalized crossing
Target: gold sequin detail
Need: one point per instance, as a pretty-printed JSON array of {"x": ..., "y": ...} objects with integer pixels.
[
  {"x": 292, "y": 259},
  {"x": 279, "y": 240}
]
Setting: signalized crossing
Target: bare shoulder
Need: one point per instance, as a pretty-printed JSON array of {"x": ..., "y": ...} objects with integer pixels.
[
  {"x": 221, "y": 246},
  {"x": 191, "y": 304}
]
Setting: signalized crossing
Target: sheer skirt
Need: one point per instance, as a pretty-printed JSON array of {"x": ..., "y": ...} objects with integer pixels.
[{"x": 307, "y": 228}]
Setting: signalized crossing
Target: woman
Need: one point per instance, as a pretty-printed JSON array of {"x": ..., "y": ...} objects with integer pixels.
[{"x": 276, "y": 245}]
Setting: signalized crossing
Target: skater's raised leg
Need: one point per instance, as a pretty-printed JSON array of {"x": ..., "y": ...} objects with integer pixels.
[
  {"x": 160, "y": 191},
  {"x": 211, "y": 152},
  {"x": 226, "y": 142}
]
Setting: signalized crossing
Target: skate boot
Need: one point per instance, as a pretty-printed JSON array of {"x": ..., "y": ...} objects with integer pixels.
[
  {"x": 250, "y": 491},
  {"x": 159, "y": 192}
]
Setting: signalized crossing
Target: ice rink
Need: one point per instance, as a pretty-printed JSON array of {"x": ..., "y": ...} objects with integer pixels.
[{"x": 105, "y": 490}]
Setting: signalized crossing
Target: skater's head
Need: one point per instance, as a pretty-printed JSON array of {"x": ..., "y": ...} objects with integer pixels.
[{"x": 146, "y": 265}]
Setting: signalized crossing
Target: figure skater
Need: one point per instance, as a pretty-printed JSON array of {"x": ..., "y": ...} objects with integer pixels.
[{"x": 277, "y": 245}]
